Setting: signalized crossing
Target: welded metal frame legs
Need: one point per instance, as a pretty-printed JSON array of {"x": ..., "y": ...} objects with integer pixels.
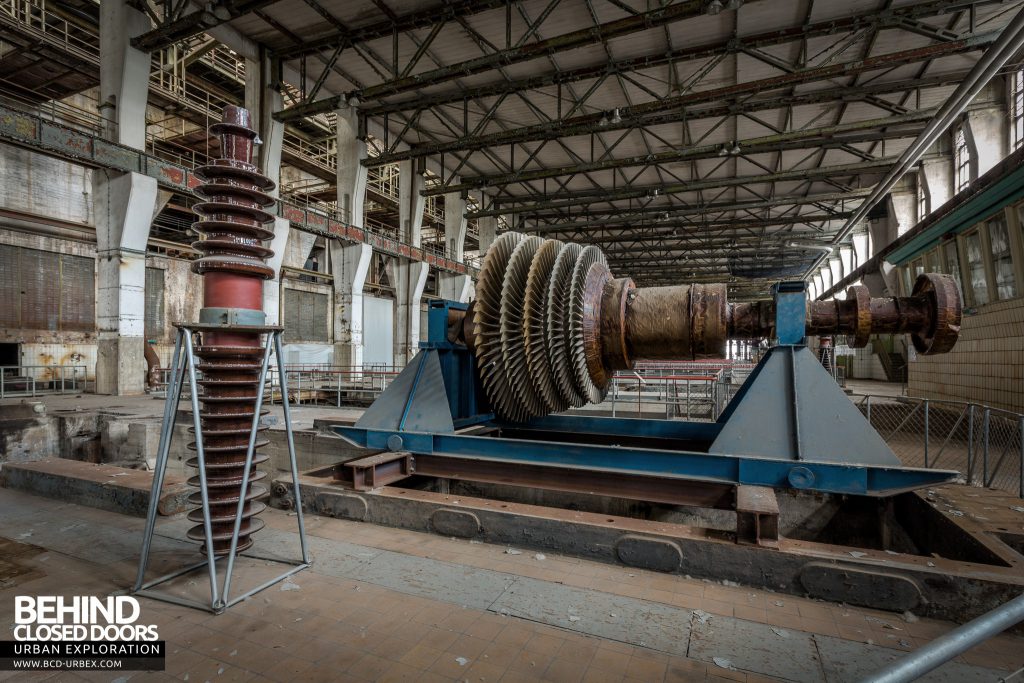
[{"x": 183, "y": 365}]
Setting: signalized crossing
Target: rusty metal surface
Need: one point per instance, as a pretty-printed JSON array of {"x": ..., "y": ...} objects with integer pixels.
[
  {"x": 708, "y": 320},
  {"x": 551, "y": 323},
  {"x": 591, "y": 316},
  {"x": 613, "y": 323},
  {"x": 757, "y": 516},
  {"x": 944, "y": 301},
  {"x": 667, "y": 490},
  {"x": 657, "y": 322}
]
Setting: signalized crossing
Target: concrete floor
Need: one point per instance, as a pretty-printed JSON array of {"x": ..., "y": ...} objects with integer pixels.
[{"x": 386, "y": 604}]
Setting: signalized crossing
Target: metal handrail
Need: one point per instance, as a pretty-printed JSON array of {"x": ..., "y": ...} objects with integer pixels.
[
  {"x": 944, "y": 648},
  {"x": 34, "y": 381}
]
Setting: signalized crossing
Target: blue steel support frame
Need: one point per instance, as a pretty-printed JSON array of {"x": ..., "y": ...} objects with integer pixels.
[
  {"x": 466, "y": 398},
  {"x": 468, "y": 406}
]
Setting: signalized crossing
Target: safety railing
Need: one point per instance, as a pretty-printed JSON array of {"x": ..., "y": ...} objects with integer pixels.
[
  {"x": 688, "y": 397},
  {"x": 318, "y": 384},
  {"x": 333, "y": 385},
  {"x": 34, "y": 380},
  {"x": 31, "y": 17},
  {"x": 985, "y": 444}
]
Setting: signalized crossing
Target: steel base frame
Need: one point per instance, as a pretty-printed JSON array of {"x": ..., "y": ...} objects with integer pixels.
[{"x": 182, "y": 367}]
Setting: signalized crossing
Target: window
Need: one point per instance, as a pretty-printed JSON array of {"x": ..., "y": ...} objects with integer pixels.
[
  {"x": 154, "y": 318},
  {"x": 951, "y": 261},
  {"x": 44, "y": 290},
  {"x": 1002, "y": 258},
  {"x": 961, "y": 159},
  {"x": 1017, "y": 109},
  {"x": 977, "y": 285},
  {"x": 305, "y": 316}
]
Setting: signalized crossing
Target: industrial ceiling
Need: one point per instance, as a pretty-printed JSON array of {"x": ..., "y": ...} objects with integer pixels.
[{"x": 692, "y": 140}]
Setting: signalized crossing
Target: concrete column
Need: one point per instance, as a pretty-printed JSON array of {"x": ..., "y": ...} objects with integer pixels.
[
  {"x": 410, "y": 202},
  {"x": 902, "y": 213},
  {"x": 987, "y": 138},
  {"x": 351, "y": 172},
  {"x": 455, "y": 287},
  {"x": 487, "y": 228},
  {"x": 819, "y": 285},
  {"x": 409, "y": 278},
  {"x": 455, "y": 225},
  {"x": 123, "y": 207},
  {"x": 881, "y": 232},
  {"x": 263, "y": 100},
  {"x": 124, "y": 74},
  {"x": 272, "y": 288},
  {"x": 936, "y": 177},
  {"x": 846, "y": 259},
  {"x": 350, "y": 266},
  {"x": 835, "y": 266},
  {"x": 826, "y": 278},
  {"x": 812, "y": 293},
  {"x": 861, "y": 248}
]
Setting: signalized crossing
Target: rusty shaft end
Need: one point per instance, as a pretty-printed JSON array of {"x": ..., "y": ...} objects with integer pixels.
[{"x": 931, "y": 315}]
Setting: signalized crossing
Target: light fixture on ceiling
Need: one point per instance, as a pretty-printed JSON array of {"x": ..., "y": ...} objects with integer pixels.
[
  {"x": 733, "y": 4},
  {"x": 735, "y": 148},
  {"x": 615, "y": 116},
  {"x": 604, "y": 120},
  {"x": 723, "y": 151},
  {"x": 714, "y": 7}
]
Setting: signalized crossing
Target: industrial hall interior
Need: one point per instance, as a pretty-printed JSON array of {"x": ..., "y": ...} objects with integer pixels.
[{"x": 512, "y": 340}]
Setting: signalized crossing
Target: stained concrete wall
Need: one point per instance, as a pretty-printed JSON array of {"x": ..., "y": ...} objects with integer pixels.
[
  {"x": 182, "y": 300},
  {"x": 985, "y": 366},
  {"x": 35, "y": 185},
  {"x": 47, "y": 347}
]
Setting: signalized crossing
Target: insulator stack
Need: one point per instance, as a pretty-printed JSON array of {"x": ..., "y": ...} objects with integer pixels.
[
  {"x": 233, "y": 228},
  {"x": 551, "y": 325}
]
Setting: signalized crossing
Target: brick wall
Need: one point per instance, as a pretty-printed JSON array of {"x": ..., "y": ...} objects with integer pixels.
[{"x": 987, "y": 364}]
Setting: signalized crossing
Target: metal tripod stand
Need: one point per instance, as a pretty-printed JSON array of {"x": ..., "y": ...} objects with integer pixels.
[{"x": 220, "y": 595}]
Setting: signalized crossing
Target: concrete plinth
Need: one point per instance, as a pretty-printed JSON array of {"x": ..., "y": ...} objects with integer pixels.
[{"x": 120, "y": 366}]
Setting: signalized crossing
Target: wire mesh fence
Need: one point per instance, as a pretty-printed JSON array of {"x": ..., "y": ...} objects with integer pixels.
[{"x": 986, "y": 445}]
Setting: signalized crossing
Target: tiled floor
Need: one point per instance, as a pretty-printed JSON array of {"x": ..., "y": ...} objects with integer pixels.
[{"x": 396, "y": 622}]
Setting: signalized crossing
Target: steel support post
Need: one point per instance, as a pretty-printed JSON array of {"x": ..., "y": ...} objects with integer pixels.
[{"x": 183, "y": 365}]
